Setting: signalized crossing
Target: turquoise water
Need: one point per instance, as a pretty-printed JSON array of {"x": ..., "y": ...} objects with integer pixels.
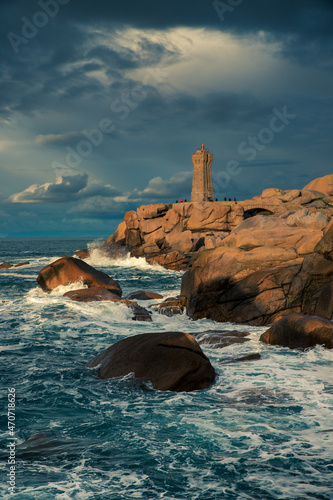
[{"x": 264, "y": 430}]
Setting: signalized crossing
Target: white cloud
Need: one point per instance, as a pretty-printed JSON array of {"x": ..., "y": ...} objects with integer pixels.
[
  {"x": 59, "y": 139},
  {"x": 213, "y": 61},
  {"x": 177, "y": 185},
  {"x": 66, "y": 189}
]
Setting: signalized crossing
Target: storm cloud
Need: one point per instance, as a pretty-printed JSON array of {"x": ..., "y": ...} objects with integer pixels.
[{"x": 168, "y": 76}]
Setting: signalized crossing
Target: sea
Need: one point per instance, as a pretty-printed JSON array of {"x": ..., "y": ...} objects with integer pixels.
[{"x": 263, "y": 430}]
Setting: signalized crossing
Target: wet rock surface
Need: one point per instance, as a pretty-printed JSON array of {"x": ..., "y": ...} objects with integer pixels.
[
  {"x": 300, "y": 331},
  {"x": 265, "y": 269},
  {"x": 218, "y": 339},
  {"x": 170, "y": 361},
  {"x": 69, "y": 270},
  {"x": 173, "y": 234},
  {"x": 98, "y": 294},
  {"x": 171, "y": 306},
  {"x": 92, "y": 294},
  {"x": 7, "y": 265},
  {"x": 143, "y": 295}
]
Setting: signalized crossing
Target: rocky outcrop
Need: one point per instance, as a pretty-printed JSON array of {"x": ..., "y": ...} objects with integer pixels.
[
  {"x": 173, "y": 234},
  {"x": 265, "y": 269},
  {"x": 322, "y": 184},
  {"x": 171, "y": 306},
  {"x": 219, "y": 339},
  {"x": 139, "y": 312},
  {"x": 168, "y": 234},
  {"x": 20, "y": 264},
  {"x": 300, "y": 231},
  {"x": 249, "y": 357},
  {"x": 7, "y": 265},
  {"x": 99, "y": 294},
  {"x": 69, "y": 270},
  {"x": 251, "y": 261},
  {"x": 175, "y": 261},
  {"x": 143, "y": 295},
  {"x": 82, "y": 254},
  {"x": 325, "y": 245},
  {"x": 170, "y": 361},
  {"x": 92, "y": 294},
  {"x": 300, "y": 331}
]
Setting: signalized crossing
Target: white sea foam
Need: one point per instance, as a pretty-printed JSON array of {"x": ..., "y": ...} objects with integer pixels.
[
  {"x": 266, "y": 423},
  {"x": 41, "y": 262},
  {"x": 19, "y": 275},
  {"x": 11, "y": 347},
  {"x": 99, "y": 258},
  {"x": 95, "y": 243},
  {"x": 61, "y": 289}
]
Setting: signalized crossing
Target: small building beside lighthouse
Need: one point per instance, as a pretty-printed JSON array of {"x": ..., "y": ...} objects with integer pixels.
[{"x": 202, "y": 183}]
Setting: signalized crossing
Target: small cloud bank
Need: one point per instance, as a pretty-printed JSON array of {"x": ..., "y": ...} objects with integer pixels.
[
  {"x": 178, "y": 185},
  {"x": 68, "y": 138},
  {"x": 66, "y": 189}
]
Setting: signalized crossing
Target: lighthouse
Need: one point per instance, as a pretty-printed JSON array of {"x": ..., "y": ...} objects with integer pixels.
[{"x": 202, "y": 184}]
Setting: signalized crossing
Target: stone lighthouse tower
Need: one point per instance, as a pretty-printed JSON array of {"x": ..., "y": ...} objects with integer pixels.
[{"x": 202, "y": 184}]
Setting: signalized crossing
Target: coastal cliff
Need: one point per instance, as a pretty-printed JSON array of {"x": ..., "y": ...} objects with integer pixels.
[
  {"x": 170, "y": 234},
  {"x": 250, "y": 261}
]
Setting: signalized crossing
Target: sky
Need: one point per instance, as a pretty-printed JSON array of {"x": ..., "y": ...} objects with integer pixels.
[{"x": 103, "y": 103}]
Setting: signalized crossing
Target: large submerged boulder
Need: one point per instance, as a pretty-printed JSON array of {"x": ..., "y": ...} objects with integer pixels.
[
  {"x": 6, "y": 265},
  {"x": 217, "y": 339},
  {"x": 300, "y": 331},
  {"x": 99, "y": 294},
  {"x": 171, "y": 361},
  {"x": 69, "y": 270},
  {"x": 171, "y": 306},
  {"x": 92, "y": 294},
  {"x": 143, "y": 295},
  {"x": 20, "y": 264}
]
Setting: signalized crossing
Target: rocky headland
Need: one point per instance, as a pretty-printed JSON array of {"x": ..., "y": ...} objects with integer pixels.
[
  {"x": 264, "y": 261},
  {"x": 251, "y": 261}
]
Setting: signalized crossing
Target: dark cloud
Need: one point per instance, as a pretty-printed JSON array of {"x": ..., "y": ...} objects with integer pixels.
[
  {"x": 91, "y": 55},
  {"x": 307, "y": 21},
  {"x": 273, "y": 16},
  {"x": 69, "y": 138},
  {"x": 56, "y": 64}
]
